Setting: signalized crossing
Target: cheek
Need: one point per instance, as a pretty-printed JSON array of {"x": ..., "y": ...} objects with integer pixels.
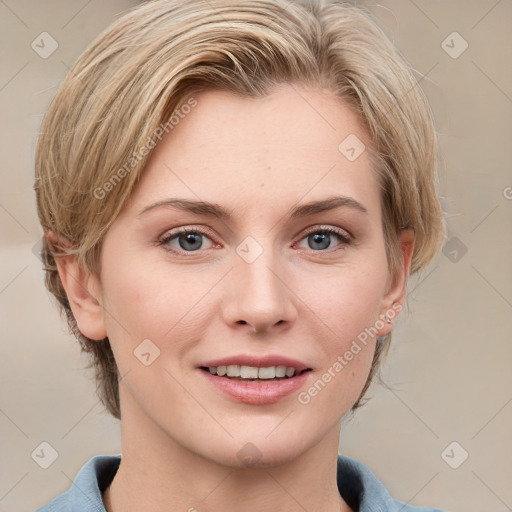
[
  {"x": 349, "y": 309},
  {"x": 349, "y": 300},
  {"x": 155, "y": 302}
]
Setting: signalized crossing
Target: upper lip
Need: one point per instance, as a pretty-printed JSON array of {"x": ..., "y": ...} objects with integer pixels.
[{"x": 259, "y": 361}]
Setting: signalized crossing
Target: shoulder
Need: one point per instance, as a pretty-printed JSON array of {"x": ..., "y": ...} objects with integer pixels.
[
  {"x": 363, "y": 491},
  {"x": 84, "y": 495}
]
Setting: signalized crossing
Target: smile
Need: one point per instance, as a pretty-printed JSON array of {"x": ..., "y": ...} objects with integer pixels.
[
  {"x": 253, "y": 372},
  {"x": 255, "y": 380}
]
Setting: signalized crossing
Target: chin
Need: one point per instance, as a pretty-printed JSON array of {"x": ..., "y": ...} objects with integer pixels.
[
  {"x": 251, "y": 457},
  {"x": 257, "y": 452}
]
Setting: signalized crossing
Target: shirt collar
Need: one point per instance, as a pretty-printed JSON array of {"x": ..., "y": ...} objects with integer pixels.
[{"x": 357, "y": 485}]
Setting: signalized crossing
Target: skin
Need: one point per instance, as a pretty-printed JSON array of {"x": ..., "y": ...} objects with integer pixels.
[{"x": 258, "y": 158}]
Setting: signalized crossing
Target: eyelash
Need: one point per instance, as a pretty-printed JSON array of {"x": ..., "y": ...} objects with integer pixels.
[{"x": 340, "y": 233}]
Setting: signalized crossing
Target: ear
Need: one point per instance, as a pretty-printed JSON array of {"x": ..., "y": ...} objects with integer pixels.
[
  {"x": 394, "y": 298},
  {"x": 83, "y": 291}
]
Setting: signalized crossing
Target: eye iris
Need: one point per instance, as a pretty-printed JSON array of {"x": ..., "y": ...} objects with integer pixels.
[
  {"x": 191, "y": 238},
  {"x": 322, "y": 238}
]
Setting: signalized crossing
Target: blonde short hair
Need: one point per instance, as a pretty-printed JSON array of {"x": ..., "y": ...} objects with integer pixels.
[{"x": 147, "y": 66}]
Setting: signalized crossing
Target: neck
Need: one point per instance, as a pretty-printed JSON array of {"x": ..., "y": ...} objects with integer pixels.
[{"x": 156, "y": 473}]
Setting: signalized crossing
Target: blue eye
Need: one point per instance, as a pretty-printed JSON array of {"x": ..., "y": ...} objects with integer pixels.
[
  {"x": 189, "y": 240},
  {"x": 321, "y": 239}
]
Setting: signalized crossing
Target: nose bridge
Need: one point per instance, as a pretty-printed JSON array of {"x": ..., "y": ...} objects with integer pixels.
[{"x": 258, "y": 294}]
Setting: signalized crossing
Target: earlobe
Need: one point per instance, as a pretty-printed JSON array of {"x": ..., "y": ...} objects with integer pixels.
[{"x": 83, "y": 291}]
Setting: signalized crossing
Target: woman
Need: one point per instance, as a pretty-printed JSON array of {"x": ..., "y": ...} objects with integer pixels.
[{"x": 234, "y": 195}]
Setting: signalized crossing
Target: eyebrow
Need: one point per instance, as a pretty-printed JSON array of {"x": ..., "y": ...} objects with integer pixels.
[{"x": 215, "y": 210}]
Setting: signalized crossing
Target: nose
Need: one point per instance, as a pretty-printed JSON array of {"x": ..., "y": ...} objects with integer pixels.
[{"x": 260, "y": 296}]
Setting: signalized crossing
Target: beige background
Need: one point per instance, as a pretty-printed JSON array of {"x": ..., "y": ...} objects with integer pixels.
[{"x": 450, "y": 366}]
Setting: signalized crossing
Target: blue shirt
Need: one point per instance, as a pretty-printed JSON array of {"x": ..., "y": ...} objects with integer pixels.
[{"x": 358, "y": 486}]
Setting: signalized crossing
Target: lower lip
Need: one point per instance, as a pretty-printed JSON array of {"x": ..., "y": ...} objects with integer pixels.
[{"x": 257, "y": 392}]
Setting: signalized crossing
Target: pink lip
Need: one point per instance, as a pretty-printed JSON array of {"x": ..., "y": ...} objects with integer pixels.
[
  {"x": 260, "y": 361},
  {"x": 257, "y": 392}
]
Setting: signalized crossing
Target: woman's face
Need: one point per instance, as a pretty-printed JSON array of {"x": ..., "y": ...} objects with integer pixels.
[{"x": 269, "y": 283}]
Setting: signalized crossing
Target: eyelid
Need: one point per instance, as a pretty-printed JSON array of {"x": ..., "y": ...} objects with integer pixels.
[
  {"x": 342, "y": 233},
  {"x": 188, "y": 228}
]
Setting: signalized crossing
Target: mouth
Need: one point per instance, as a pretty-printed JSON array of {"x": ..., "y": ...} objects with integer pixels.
[
  {"x": 245, "y": 373},
  {"x": 255, "y": 380}
]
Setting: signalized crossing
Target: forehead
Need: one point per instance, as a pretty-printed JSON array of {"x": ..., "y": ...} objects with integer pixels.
[{"x": 285, "y": 146}]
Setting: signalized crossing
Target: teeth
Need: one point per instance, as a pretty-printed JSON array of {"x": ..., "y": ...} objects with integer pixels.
[
  {"x": 252, "y": 372},
  {"x": 280, "y": 371},
  {"x": 268, "y": 373},
  {"x": 233, "y": 370},
  {"x": 249, "y": 372}
]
